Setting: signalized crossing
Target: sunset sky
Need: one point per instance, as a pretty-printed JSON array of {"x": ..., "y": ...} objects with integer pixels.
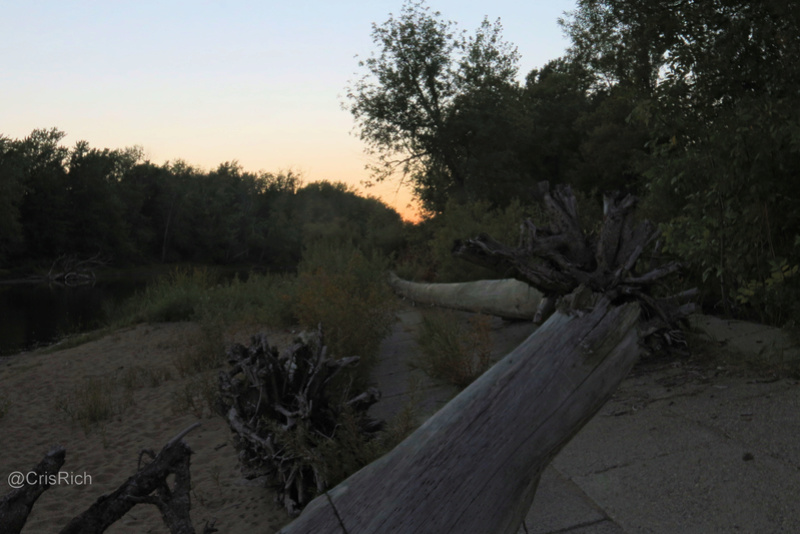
[{"x": 260, "y": 82}]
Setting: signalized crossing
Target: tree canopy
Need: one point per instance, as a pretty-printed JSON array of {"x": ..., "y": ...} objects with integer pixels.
[
  {"x": 83, "y": 200},
  {"x": 423, "y": 99},
  {"x": 693, "y": 106}
]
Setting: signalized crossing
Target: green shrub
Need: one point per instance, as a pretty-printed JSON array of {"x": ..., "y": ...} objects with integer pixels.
[
  {"x": 195, "y": 295},
  {"x": 175, "y": 297},
  {"x": 453, "y": 351},
  {"x": 346, "y": 291},
  {"x": 464, "y": 221}
]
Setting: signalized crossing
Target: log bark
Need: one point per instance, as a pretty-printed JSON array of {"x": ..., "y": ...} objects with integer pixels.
[
  {"x": 509, "y": 298},
  {"x": 17, "y": 505},
  {"x": 148, "y": 485},
  {"x": 473, "y": 467}
]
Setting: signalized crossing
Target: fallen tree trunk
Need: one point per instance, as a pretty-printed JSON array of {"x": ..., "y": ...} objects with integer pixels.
[
  {"x": 17, "y": 505},
  {"x": 473, "y": 467},
  {"x": 509, "y": 298}
]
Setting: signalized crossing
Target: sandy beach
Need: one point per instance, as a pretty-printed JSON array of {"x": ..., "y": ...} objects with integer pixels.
[{"x": 38, "y": 391}]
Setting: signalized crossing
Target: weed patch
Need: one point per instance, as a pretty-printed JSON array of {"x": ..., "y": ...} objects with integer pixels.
[
  {"x": 197, "y": 395},
  {"x": 345, "y": 290},
  {"x": 93, "y": 401},
  {"x": 453, "y": 351}
]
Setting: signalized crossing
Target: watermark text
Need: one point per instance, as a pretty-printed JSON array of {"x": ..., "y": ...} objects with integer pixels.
[{"x": 17, "y": 479}]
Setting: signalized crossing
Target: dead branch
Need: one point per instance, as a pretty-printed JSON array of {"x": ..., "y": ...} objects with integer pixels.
[
  {"x": 17, "y": 505},
  {"x": 148, "y": 485},
  {"x": 557, "y": 259},
  {"x": 278, "y": 404}
]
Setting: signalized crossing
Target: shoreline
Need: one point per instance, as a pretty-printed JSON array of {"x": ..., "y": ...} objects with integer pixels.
[{"x": 40, "y": 391}]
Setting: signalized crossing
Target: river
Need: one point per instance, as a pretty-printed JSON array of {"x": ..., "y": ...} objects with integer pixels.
[{"x": 40, "y": 314}]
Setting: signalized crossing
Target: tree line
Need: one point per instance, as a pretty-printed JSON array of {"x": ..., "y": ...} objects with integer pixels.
[
  {"x": 56, "y": 200},
  {"x": 693, "y": 106}
]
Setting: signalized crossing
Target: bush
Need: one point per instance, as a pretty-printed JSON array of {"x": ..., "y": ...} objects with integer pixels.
[
  {"x": 462, "y": 221},
  {"x": 455, "y": 352},
  {"x": 345, "y": 290},
  {"x": 195, "y": 295}
]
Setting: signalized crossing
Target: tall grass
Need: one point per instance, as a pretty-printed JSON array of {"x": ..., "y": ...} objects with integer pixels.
[
  {"x": 94, "y": 401},
  {"x": 345, "y": 290},
  {"x": 198, "y": 295},
  {"x": 454, "y": 351}
]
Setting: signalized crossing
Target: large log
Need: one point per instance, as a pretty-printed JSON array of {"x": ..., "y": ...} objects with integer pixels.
[
  {"x": 509, "y": 298},
  {"x": 474, "y": 466}
]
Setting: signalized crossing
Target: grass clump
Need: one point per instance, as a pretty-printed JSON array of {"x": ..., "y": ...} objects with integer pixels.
[
  {"x": 198, "y": 395},
  {"x": 94, "y": 401},
  {"x": 455, "y": 352},
  {"x": 345, "y": 290},
  {"x": 197, "y": 295},
  {"x": 136, "y": 377},
  {"x": 175, "y": 297}
]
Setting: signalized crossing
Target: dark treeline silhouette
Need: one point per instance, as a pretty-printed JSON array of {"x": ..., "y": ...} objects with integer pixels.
[
  {"x": 693, "y": 106},
  {"x": 56, "y": 200}
]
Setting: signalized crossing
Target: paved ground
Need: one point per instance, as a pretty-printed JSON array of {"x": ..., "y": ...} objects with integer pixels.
[{"x": 681, "y": 448}]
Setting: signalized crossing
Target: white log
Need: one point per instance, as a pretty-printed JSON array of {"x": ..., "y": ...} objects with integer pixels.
[{"x": 507, "y": 298}]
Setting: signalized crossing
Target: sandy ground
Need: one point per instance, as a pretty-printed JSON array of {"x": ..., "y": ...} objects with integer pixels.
[{"x": 35, "y": 389}]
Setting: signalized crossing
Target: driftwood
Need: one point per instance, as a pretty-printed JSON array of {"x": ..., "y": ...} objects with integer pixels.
[
  {"x": 559, "y": 258},
  {"x": 474, "y": 466},
  {"x": 147, "y": 486},
  {"x": 511, "y": 299},
  {"x": 278, "y": 404},
  {"x": 71, "y": 271},
  {"x": 17, "y": 505}
]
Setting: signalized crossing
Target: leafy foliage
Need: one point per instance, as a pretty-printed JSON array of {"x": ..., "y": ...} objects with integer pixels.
[
  {"x": 454, "y": 350},
  {"x": 345, "y": 290},
  {"x": 426, "y": 97},
  {"x": 711, "y": 87}
]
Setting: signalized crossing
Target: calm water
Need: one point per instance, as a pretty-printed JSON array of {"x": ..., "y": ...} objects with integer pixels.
[{"x": 34, "y": 315}]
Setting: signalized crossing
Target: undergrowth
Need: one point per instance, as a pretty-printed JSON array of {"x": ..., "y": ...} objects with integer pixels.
[{"x": 453, "y": 351}]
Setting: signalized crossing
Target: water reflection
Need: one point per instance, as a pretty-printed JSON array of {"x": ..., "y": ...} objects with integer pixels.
[{"x": 33, "y": 315}]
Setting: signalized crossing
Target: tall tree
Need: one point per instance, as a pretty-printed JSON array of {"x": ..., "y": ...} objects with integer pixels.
[
  {"x": 714, "y": 84},
  {"x": 95, "y": 197},
  {"x": 44, "y": 211},
  {"x": 424, "y": 76},
  {"x": 12, "y": 190}
]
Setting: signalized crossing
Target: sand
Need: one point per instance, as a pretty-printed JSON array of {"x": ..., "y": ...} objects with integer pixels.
[{"x": 36, "y": 387}]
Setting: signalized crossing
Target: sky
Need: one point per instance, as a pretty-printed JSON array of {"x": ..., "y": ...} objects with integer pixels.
[{"x": 259, "y": 82}]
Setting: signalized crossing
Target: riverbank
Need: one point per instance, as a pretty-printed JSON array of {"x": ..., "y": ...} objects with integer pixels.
[
  {"x": 149, "y": 402},
  {"x": 674, "y": 421}
]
